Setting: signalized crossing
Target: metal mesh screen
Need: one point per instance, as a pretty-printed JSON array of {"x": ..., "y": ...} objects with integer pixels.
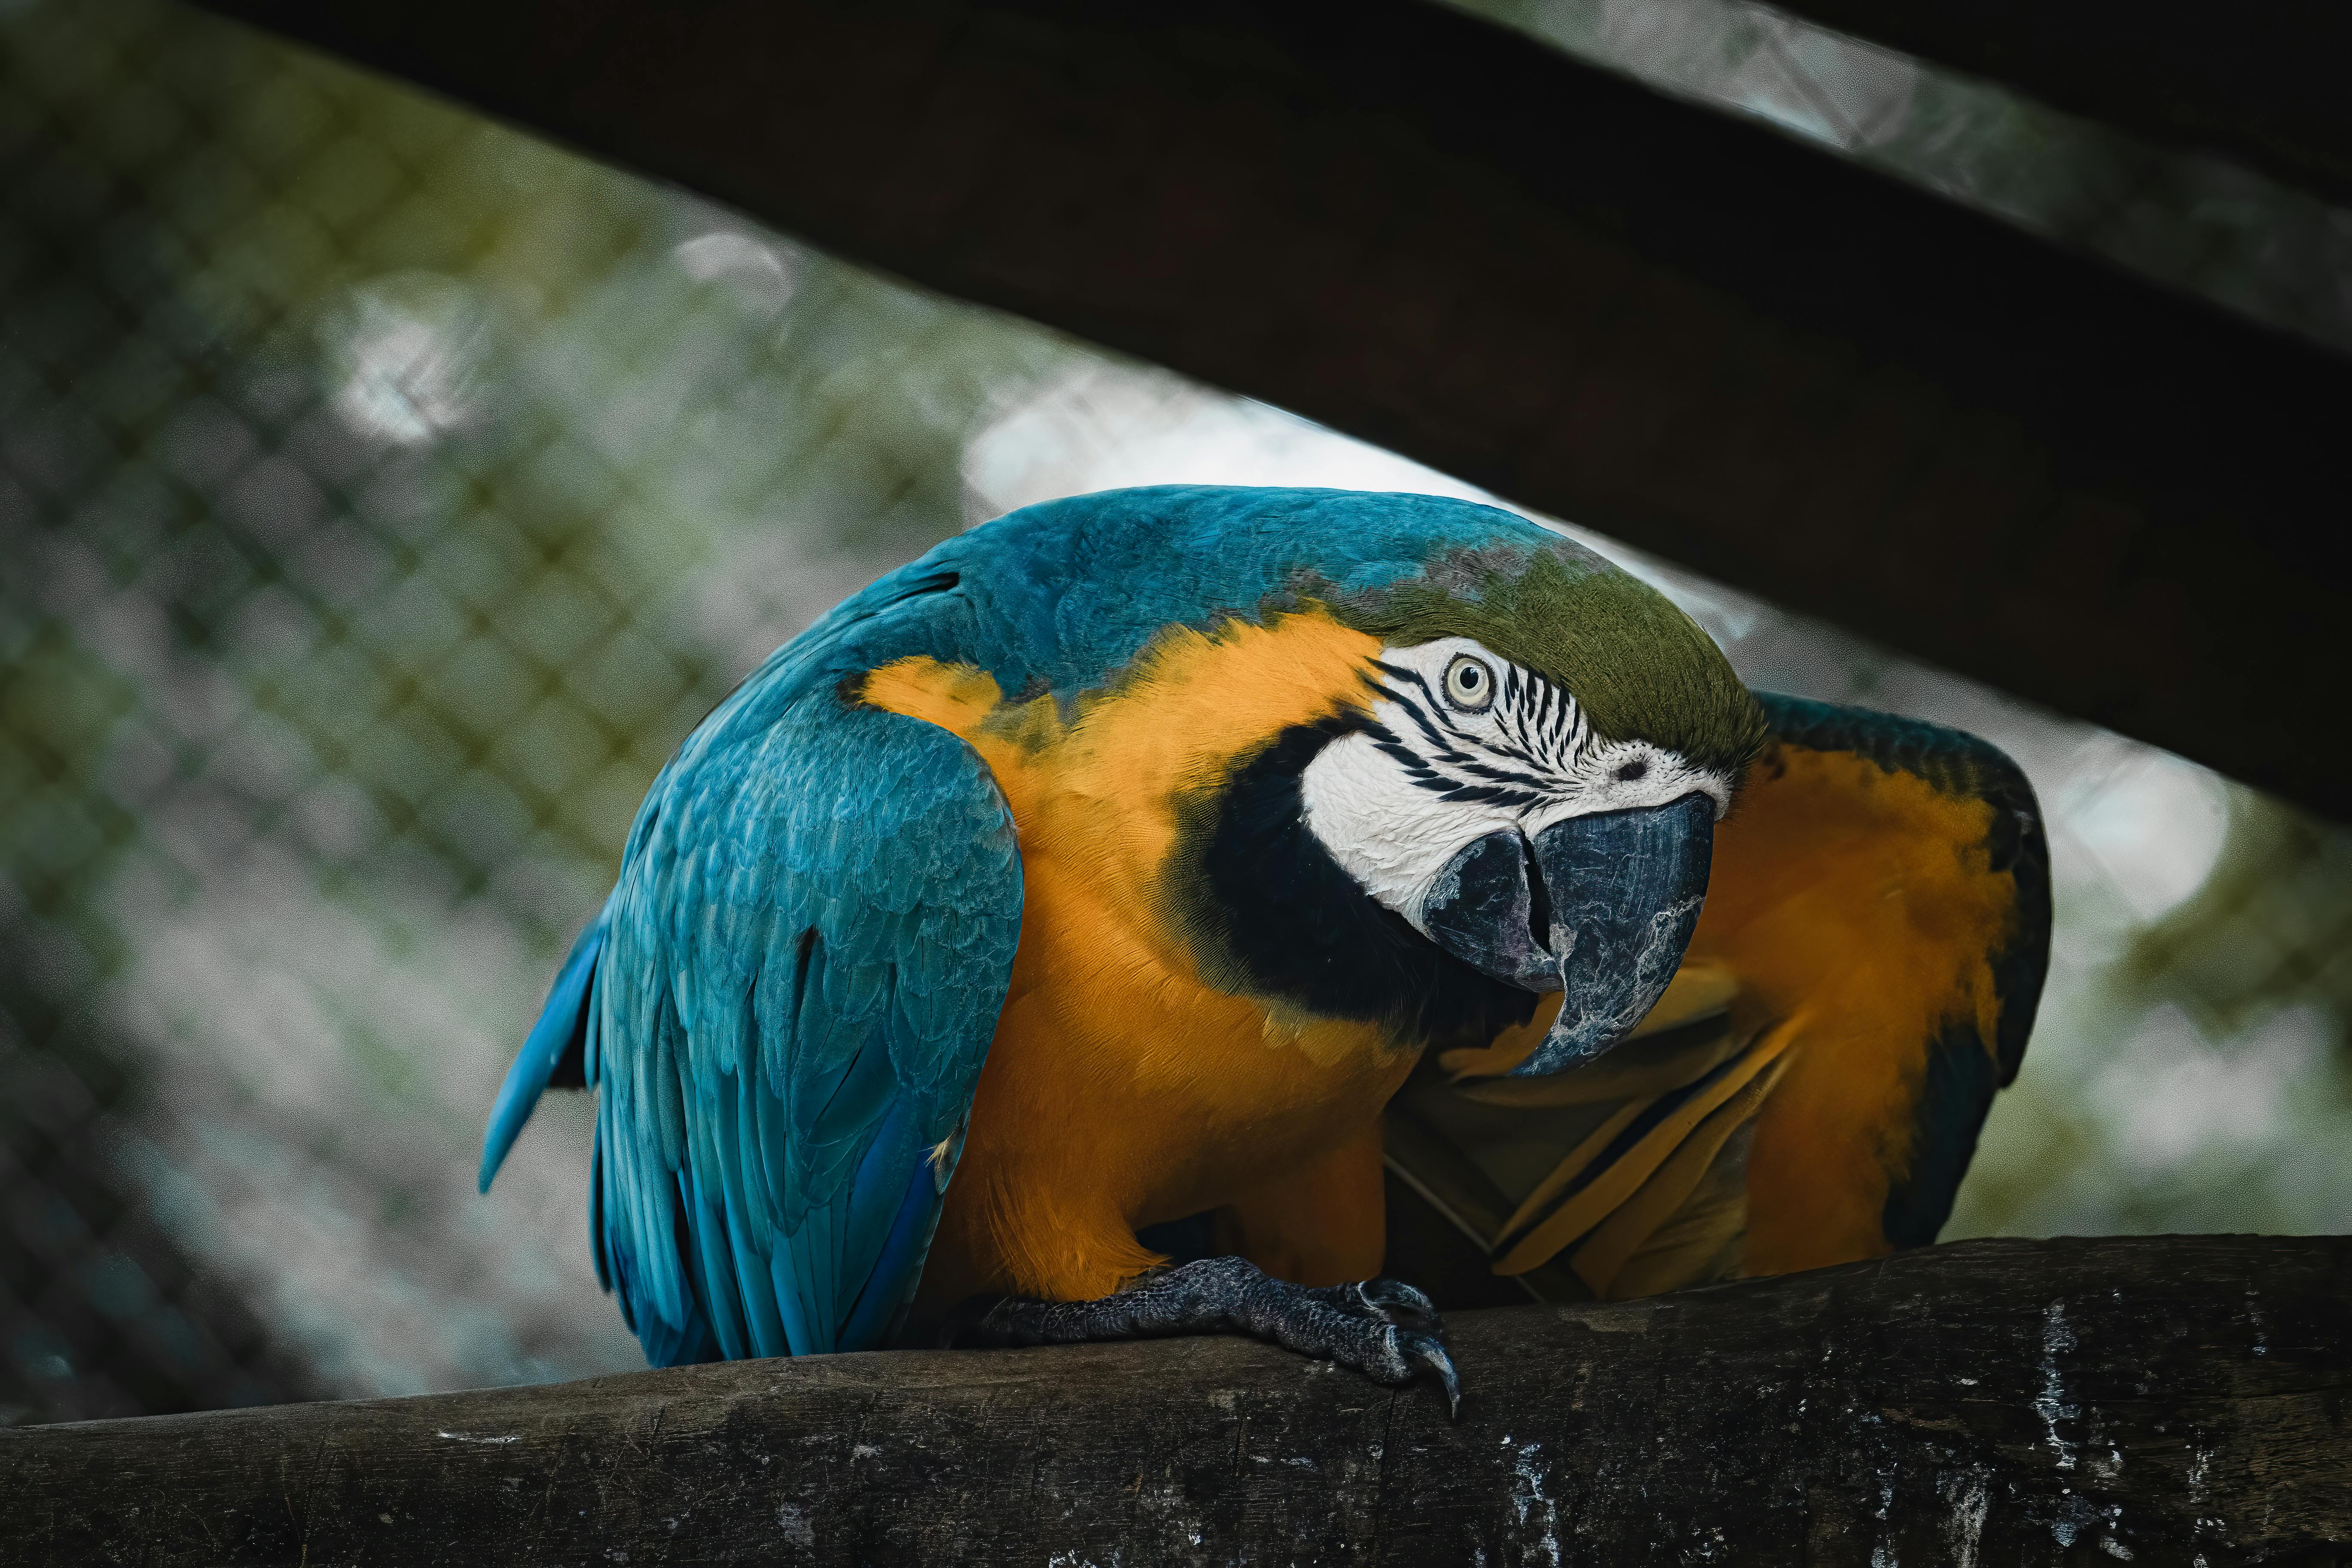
[{"x": 384, "y": 494}]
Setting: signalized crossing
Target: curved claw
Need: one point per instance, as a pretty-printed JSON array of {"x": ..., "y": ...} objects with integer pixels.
[
  {"x": 1387, "y": 1301},
  {"x": 1427, "y": 1352}
]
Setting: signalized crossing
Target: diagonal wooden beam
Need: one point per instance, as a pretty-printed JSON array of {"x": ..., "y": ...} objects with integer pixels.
[
  {"x": 2149, "y": 1400},
  {"x": 2260, "y": 84},
  {"x": 1776, "y": 367}
]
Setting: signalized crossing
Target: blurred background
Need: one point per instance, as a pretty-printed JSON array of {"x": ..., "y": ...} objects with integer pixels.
[{"x": 384, "y": 494}]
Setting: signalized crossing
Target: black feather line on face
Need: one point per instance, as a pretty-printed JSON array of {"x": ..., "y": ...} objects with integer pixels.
[
  {"x": 1422, "y": 772},
  {"x": 1535, "y": 723},
  {"x": 1272, "y": 914},
  {"x": 1501, "y": 743},
  {"x": 1443, "y": 748},
  {"x": 1414, "y": 767},
  {"x": 1507, "y": 776},
  {"x": 1489, "y": 795}
]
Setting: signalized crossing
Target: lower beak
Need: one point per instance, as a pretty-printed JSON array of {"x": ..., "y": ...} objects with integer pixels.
[{"x": 1599, "y": 907}]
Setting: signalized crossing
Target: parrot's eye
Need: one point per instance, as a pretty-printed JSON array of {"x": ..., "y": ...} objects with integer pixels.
[{"x": 1469, "y": 684}]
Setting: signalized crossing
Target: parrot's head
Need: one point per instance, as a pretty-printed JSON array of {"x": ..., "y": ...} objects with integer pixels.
[
  {"x": 1424, "y": 759},
  {"x": 1534, "y": 775}
]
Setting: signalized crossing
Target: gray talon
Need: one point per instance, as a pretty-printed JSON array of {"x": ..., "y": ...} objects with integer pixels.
[
  {"x": 1384, "y": 1301},
  {"x": 1383, "y": 1328},
  {"x": 1400, "y": 1303},
  {"x": 1428, "y": 1351}
]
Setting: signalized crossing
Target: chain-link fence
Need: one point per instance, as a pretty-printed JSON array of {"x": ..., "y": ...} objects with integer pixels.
[{"x": 384, "y": 494}]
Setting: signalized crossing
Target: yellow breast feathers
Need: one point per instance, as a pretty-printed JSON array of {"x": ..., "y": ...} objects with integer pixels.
[{"x": 1129, "y": 1081}]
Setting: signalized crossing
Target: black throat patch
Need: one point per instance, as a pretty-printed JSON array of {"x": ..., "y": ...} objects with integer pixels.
[{"x": 1271, "y": 915}]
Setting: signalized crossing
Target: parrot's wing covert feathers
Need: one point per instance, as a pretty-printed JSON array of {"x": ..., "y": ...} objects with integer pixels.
[{"x": 800, "y": 971}]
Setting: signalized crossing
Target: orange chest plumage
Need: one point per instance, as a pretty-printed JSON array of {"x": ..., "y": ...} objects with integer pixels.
[{"x": 1133, "y": 1078}]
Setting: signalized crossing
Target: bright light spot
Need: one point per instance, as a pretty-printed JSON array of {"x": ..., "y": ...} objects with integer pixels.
[
  {"x": 753, "y": 273},
  {"x": 2176, "y": 1092},
  {"x": 409, "y": 348},
  {"x": 2154, "y": 824},
  {"x": 1108, "y": 429}
]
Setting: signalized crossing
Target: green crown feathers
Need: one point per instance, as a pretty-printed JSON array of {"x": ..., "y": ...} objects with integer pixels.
[{"x": 1641, "y": 668}]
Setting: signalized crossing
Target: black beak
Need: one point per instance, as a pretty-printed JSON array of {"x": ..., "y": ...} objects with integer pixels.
[{"x": 1599, "y": 907}]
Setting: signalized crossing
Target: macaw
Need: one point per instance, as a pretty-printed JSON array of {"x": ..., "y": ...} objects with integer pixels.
[{"x": 1225, "y": 863}]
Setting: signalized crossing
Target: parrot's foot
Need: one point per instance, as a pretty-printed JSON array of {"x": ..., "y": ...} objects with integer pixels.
[{"x": 1382, "y": 1328}]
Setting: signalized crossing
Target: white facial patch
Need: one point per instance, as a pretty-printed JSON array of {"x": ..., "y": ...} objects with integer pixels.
[{"x": 1465, "y": 743}]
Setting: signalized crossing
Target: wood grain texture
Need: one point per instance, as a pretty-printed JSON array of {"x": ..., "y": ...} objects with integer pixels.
[
  {"x": 2149, "y": 1400},
  {"x": 1776, "y": 367}
]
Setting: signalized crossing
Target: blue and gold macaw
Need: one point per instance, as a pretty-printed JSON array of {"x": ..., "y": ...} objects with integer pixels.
[{"x": 1123, "y": 860}]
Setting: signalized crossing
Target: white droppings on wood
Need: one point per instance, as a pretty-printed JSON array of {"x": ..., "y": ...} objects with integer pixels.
[
  {"x": 1971, "y": 1501},
  {"x": 1529, "y": 1501},
  {"x": 2078, "y": 1514},
  {"x": 2051, "y": 1403},
  {"x": 469, "y": 1437},
  {"x": 792, "y": 1524}
]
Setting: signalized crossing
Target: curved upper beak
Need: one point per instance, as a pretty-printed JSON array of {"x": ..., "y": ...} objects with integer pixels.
[{"x": 1598, "y": 907}]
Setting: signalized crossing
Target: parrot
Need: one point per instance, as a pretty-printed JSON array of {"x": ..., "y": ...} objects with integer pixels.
[{"x": 1165, "y": 910}]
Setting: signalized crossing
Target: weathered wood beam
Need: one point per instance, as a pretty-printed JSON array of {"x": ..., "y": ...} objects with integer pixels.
[
  {"x": 2260, "y": 84},
  {"x": 2157, "y": 1400},
  {"x": 1774, "y": 366}
]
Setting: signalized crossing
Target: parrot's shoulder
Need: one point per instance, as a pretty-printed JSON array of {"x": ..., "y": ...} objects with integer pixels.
[
  {"x": 800, "y": 968},
  {"x": 1952, "y": 761},
  {"x": 1923, "y": 846},
  {"x": 1999, "y": 827}
]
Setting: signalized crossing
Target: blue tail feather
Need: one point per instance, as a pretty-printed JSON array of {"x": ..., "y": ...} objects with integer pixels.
[{"x": 560, "y": 1035}]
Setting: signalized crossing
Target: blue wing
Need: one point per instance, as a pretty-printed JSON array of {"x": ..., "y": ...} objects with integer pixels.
[{"x": 783, "y": 1006}]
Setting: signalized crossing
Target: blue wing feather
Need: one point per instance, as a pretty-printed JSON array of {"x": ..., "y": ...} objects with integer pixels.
[
  {"x": 561, "y": 1032},
  {"x": 784, "y": 1008}
]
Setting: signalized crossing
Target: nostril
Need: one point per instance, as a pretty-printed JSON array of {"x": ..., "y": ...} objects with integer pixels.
[
  {"x": 1539, "y": 897},
  {"x": 1634, "y": 769}
]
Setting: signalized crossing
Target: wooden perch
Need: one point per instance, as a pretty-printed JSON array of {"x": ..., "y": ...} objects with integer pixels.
[{"x": 2152, "y": 1400}]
